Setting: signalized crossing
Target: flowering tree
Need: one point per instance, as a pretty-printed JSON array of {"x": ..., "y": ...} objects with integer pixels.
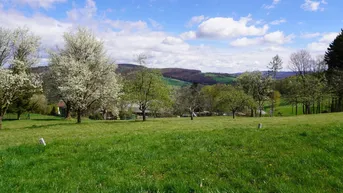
[
  {"x": 82, "y": 72},
  {"x": 19, "y": 49}
]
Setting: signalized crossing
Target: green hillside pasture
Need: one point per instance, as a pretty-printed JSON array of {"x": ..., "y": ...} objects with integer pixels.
[
  {"x": 213, "y": 154},
  {"x": 175, "y": 82},
  {"x": 225, "y": 79}
]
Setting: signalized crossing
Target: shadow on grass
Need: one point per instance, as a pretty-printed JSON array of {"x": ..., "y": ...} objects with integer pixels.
[
  {"x": 127, "y": 121},
  {"x": 48, "y": 119},
  {"x": 47, "y": 125}
]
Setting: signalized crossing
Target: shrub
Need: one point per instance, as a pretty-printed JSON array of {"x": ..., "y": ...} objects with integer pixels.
[{"x": 96, "y": 116}]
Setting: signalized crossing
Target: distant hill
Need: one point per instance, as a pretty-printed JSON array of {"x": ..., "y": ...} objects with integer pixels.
[
  {"x": 180, "y": 76},
  {"x": 187, "y": 76},
  {"x": 279, "y": 75}
]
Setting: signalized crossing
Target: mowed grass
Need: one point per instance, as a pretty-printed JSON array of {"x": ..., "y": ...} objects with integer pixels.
[{"x": 214, "y": 154}]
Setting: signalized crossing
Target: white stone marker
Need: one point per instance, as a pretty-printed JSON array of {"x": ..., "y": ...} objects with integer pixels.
[
  {"x": 41, "y": 141},
  {"x": 260, "y": 126}
]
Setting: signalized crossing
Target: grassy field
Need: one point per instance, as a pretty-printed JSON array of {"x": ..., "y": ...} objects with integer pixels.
[
  {"x": 224, "y": 79},
  {"x": 214, "y": 154},
  {"x": 175, "y": 82}
]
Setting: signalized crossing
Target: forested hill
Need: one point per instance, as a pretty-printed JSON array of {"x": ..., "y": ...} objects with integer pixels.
[
  {"x": 191, "y": 75},
  {"x": 180, "y": 76}
]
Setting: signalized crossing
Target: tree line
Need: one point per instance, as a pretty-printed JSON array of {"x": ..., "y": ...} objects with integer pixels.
[{"x": 83, "y": 76}]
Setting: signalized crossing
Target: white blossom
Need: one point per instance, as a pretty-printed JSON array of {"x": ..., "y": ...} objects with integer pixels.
[{"x": 82, "y": 72}]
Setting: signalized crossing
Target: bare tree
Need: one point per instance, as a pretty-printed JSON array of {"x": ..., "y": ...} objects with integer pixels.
[
  {"x": 5, "y": 45},
  {"x": 301, "y": 63}
]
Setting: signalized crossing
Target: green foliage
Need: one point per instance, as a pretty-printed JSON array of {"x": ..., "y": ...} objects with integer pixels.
[
  {"x": 275, "y": 65},
  {"x": 257, "y": 86},
  {"x": 334, "y": 54},
  {"x": 290, "y": 154},
  {"x": 96, "y": 116},
  {"x": 20, "y": 105},
  {"x": 189, "y": 99},
  {"x": 334, "y": 60},
  {"x": 39, "y": 104},
  {"x": 276, "y": 97},
  {"x": 125, "y": 115},
  {"x": 233, "y": 99},
  {"x": 54, "y": 110},
  {"x": 210, "y": 95},
  {"x": 147, "y": 86}
]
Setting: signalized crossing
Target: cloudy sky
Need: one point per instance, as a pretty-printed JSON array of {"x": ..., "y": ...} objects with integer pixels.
[{"x": 209, "y": 35}]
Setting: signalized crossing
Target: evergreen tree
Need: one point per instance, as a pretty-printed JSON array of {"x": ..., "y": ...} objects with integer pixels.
[
  {"x": 334, "y": 54},
  {"x": 334, "y": 60},
  {"x": 275, "y": 65}
]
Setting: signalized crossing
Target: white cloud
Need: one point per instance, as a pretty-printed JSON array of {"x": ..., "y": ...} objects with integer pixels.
[
  {"x": 241, "y": 42},
  {"x": 328, "y": 37},
  {"x": 195, "y": 20},
  {"x": 221, "y": 27},
  {"x": 310, "y": 35},
  {"x": 125, "y": 39},
  {"x": 272, "y": 6},
  {"x": 310, "y": 5},
  {"x": 49, "y": 29},
  {"x": 126, "y": 25},
  {"x": 278, "y": 37},
  {"x": 172, "y": 40},
  {"x": 323, "y": 43},
  {"x": 85, "y": 13},
  {"x": 155, "y": 24},
  {"x": 274, "y": 38},
  {"x": 278, "y": 22},
  {"x": 46, "y": 4},
  {"x": 190, "y": 35}
]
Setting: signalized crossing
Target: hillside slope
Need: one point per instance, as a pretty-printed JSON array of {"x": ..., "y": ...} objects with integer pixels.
[{"x": 180, "y": 76}]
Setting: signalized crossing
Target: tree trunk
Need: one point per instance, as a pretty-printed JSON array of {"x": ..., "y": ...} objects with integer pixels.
[
  {"x": 79, "y": 116},
  {"x": 260, "y": 112},
  {"x": 233, "y": 114},
  {"x": 252, "y": 112},
  {"x": 308, "y": 109},
  {"x": 319, "y": 105},
  {"x": 332, "y": 105},
  {"x": 0, "y": 122},
  {"x": 18, "y": 115},
  {"x": 192, "y": 117},
  {"x": 292, "y": 109},
  {"x": 144, "y": 115},
  {"x": 68, "y": 111},
  {"x": 296, "y": 109},
  {"x": 104, "y": 114},
  {"x": 272, "y": 114},
  {"x": 340, "y": 104}
]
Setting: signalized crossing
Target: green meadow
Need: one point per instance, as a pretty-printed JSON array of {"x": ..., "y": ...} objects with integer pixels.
[{"x": 210, "y": 154}]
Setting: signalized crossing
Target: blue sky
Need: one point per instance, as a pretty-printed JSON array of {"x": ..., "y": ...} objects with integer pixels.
[{"x": 217, "y": 35}]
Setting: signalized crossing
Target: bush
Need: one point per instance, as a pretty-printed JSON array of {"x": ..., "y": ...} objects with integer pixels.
[
  {"x": 124, "y": 115},
  {"x": 96, "y": 116},
  {"x": 54, "y": 110}
]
